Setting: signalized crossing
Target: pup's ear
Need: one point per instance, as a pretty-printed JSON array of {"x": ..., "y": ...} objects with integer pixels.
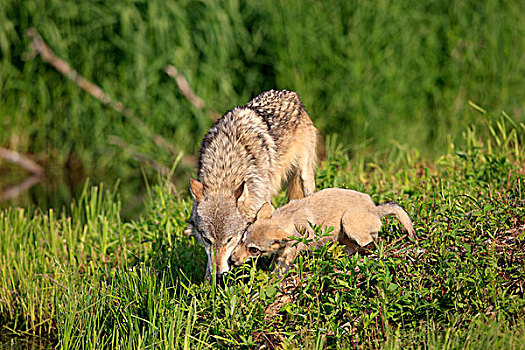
[
  {"x": 241, "y": 193},
  {"x": 277, "y": 244},
  {"x": 301, "y": 230},
  {"x": 265, "y": 212},
  {"x": 196, "y": 189}
]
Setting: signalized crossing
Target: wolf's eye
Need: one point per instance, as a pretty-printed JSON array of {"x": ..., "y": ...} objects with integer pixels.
[
  {"x": 206, "y": 240},
  {"x": 254, "y": 250}
]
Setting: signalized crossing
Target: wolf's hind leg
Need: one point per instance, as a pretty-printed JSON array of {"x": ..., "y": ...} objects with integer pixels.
[
  {"x": 307, "y": 160},
  {"x": 295, "y": 188},
  {"x": 301, "y": 182},
  {"x": 307, "y": 174}
]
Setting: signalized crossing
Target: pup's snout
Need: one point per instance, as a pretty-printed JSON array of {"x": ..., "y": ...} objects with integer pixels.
[{"x": 231, "y": 262}]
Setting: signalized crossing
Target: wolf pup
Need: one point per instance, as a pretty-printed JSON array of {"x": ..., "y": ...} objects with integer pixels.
[
  {"x": 353, "y": 215},
  {"x": 243, "y": 161}
]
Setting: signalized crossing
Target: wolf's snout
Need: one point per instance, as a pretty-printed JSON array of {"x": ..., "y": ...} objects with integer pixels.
[{"x": 222, "y": 274}]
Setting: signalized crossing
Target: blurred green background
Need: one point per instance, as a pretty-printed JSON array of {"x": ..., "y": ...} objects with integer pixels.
[{"x": 380, "y": 74}]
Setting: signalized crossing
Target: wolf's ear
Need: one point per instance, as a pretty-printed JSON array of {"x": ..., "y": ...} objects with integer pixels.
[
  {"x": 265, "y": 212},
  {"x": 241, "y": 193},
  {"x": 188, "y": 231},
  {"x": 196, "y": 189}
]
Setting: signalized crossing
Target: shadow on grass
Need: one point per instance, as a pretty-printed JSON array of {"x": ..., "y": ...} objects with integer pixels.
[
  {"x": 182, "y": 261},
  {"x": 10, "y": 341}
]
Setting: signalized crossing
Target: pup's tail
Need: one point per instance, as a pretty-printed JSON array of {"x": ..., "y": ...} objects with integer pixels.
[{"x": 392, "y": 208}]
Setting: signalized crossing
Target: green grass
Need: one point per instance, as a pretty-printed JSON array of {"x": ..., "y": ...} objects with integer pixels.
[
  {"x": 381, "y": 74},
  {"x": 90, "y": 279}
]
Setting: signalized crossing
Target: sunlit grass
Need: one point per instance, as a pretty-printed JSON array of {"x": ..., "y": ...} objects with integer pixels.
[{"x": 93, "y": 280}]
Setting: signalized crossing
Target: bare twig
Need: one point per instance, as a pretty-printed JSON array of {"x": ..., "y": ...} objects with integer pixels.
[
  {"x": 139, "y": 156},
  {"x": 16, "y": 190},
  {"x": 65, "y": 69},
  {"x": 397, "y": 240},
  {"x": 21, "y": 160},
  {"x": 187, "y": 160},
  {"x": 187, "y": 91},
  {"x": 36, "y": 171},
  {"x": 54, "y": 281},
  {"x": 184, "y": 87}
]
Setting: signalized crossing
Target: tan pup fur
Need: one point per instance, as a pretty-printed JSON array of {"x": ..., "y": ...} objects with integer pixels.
[
  {"x": 243, "y": 161},
  {"x": 353, "y": 215}
]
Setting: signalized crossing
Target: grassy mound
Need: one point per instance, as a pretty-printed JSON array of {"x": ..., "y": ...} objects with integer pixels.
[
  {"x": 377, "y": 73},
  {"x": 90, "y": 280}
]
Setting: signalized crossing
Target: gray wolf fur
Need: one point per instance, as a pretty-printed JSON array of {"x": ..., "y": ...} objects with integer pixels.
[
  {"x": 353, "y": 215},
  {"x": 243, "y": 161}
]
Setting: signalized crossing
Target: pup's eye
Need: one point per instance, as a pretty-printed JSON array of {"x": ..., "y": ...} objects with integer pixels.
[
  {"x": 254, "y": 250},
  {"x": 206, "y": 240},
  {"x": 229, "y": 239}
]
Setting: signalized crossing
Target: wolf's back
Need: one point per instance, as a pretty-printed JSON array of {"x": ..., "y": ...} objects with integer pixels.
[
  {"x": 250, "y": 136},
  {"x": 237, "y": 148},
  {"x": 281, "y": 110}
]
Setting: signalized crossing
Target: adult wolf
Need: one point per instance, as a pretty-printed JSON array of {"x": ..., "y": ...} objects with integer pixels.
[{"x": 243, "y": 161}]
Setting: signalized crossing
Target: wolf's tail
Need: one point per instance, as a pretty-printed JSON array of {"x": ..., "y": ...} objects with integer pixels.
[{"x": 392, "y": 208}]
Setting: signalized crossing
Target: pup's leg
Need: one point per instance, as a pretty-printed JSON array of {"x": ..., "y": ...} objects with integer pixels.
[
  {"x": 350, "y": 249},
  {"x": 284, "y": 260},
  {"x": 350, "y": 246},
  {"x": 361, "y": 226}
]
